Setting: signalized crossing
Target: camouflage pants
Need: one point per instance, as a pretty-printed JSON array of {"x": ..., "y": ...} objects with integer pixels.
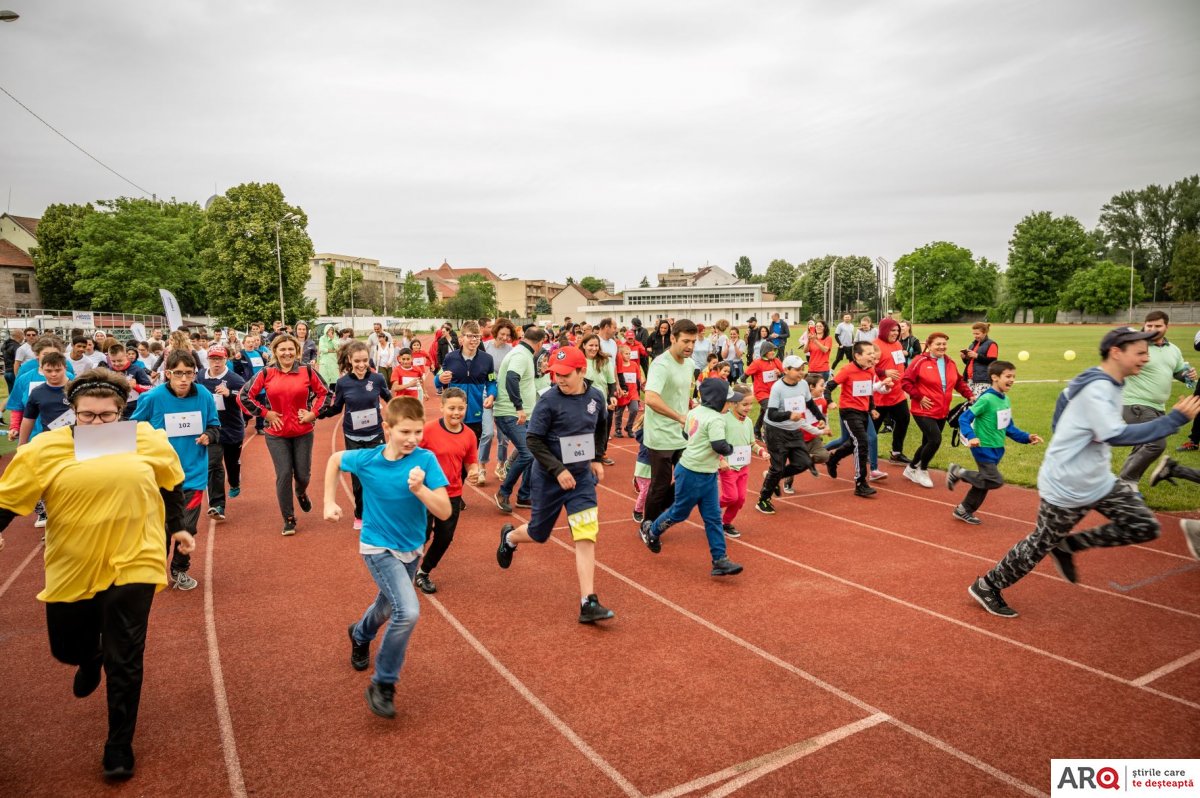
[{"x": 1129, "y": 522}]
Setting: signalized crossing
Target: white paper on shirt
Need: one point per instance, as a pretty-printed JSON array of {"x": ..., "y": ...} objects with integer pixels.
[
  {"x": 419, "y": 362},
  {"x": 861, "y": 387},
  {"x": 1003, "y": 418},
  {"x": 256, "y": 360},
  {"x": 63, "y": 420},
  {"x": 179, "y": 424},
  {"x": 630, "y": 377},
  {"x": 770, "y": 376},
  {"x": 220, "y": 400},
  {"x": 794, "y": 404},
  {"x": 32, "y": 386},
  {"x": 577, "y": 450},
  {"x": 898, "y": 357},
  {"x": 362, "y": 419},
  {"x": 633, "y": 355},
  {"x": 740, "y": 456},
  {"x": 97, "y": 440}
]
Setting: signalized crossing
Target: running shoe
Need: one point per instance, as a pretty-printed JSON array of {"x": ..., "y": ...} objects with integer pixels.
[
  {"x": 235, "y": 492},
  {"x": 503, "y": 503},
  {"x": 304, "y": 502},
  {"x": 788, "y": 489},
  {"x": 424, "y": 583},
  {"x": 765, "y": 506},
  {"x": 962, "y": 515},
  {"x": 381, "y": 699},
  {"x": 639, "y": 516},
  {"x": 40, "y": 523},
  {"x": 618, "y": 434},
  {"x": 1191, "y": 536},
  {"x": 1188, "y": 446},
  {"x": 502, "y": 470},
  {"x": 608, "y": 461},
  {"x": 864, "y": 490},
  {"x": 360, "y": 653},
  {"x": 592, "y": 610},
  {"x": 217, "y": 512},
  {"x": 731, "y": 531},
  {"x": 118, "y": 761},
  {"x": 504, "y": 553},
  {"x": 910, "y": 473},
  {"x": 923, "y": 478},
  {"x": 877, "y": 475},
  {"x": 990, "y": 599},
  {"x": 180, "y": 580},
  {"x": 652, "y": 541},
  {"x": 523, "y": 504},
  {"x": 1165, "y": 470},
  {"x": 953, "y": 475},
  {"x": 899, "y": 458},
  {"x": 725, "y": 567},
  {"x": 289, "y": 526},
  {"x": 1064, "y": 562},
  {"x": 357, "y": 524},
  {"x": 831, "y": 467}
]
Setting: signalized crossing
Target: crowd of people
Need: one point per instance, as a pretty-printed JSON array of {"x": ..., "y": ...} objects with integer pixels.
[{"x": 702, "y": 404}]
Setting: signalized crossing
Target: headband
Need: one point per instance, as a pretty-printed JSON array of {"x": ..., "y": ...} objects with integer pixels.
[{"x": 94, "y": 385}]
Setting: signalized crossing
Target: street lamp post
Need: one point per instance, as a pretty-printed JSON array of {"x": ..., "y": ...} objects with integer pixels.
[
  {"x": 356, "y": 260},
  {"x": 279, "y": 262}
]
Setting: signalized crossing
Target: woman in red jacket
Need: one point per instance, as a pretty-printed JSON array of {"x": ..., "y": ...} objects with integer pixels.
[
  {"x": 295, "y": 395},
  {"x": 929, "y": 381}
]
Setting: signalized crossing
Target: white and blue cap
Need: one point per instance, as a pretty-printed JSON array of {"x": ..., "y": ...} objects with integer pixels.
[{"x": 793, "y": 362}]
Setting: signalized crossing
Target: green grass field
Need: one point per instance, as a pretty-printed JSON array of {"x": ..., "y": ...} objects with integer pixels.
[{"x": 1033, "y": 402}]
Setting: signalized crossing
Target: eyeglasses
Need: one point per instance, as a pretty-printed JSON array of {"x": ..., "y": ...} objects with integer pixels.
[
  {"x": 469, "y": 335},
  {"x": 183, "y": 375},
  {"x": 87, "y": 417}
]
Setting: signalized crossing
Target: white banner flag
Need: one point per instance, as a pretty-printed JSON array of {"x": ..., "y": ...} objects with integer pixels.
[{"x": 171, "y": 306}]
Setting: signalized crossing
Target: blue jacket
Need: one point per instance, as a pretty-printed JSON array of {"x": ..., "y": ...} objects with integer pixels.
[{"x": 476, "y": 377}]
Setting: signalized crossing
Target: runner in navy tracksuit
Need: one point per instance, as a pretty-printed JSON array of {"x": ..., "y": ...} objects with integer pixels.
[
  {"x": 225, "y": 453},
  {"x": 472, "y": 370}
]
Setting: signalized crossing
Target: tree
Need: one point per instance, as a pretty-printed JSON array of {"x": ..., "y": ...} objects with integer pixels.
[
  {"x": 240, "y": 271},
  {"x": 347, "y": 279},
  {"x": 1100, "y": 289},
  {"x": 475, "y": 299},
  {"x": 1184, "y": 284},
  {"x": 431, "y": 293},
  {"x": 1043, "y": 254},
  {"x": 133, "y": 248},
  {"x": 592, "y": 284},
  {"x": 54, "y": 257},
  {"x": 570, "y": 281},
  {"x": 743, "y": 270},
  {"x": 413, "y": 302},
  {"x": 1145, "y": 225},
  {"x": 948, "y": 280},
  {"x": 645, "y": 283},
  {"x": 542, "y": 306},
  {"x": 780, "y": 276},
  {"x": 854, "y": 281}
]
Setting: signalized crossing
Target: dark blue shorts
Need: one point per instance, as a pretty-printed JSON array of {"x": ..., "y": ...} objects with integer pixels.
[{"x": 549, "y": 499}]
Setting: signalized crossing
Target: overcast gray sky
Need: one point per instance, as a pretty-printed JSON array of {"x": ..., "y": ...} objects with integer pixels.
[{"x": 543, "y": 139}]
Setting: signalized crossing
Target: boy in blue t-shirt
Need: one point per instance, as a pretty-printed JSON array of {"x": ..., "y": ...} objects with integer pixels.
[{"x": 392, "y": 538}]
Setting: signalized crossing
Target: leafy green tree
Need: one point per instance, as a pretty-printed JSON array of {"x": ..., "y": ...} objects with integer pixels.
[
  {"x": 780, "y": 277},
  {"x": 413, "y": 302},
  {"x": 949, "y": 282},
  {"x": 1184, "y": 285},
  {"x": 54, "y": 257},
  {"x": 592, "y": 284},
  {"x": 1100, "y": 289},
  {"x": 854, "y": 280},
  {"x": 135, "y": 247},
  {"x": 475, "y": 299},
  {"x": 645, "y": 283},
  {"x": 1146, "y": 225},
  {"x": 240, "y": 272},
  {"x": 542, "y": 306},
  {"x": 742, "y": 269},
  {"x": 570, "y": 281},
  {"x": 347, "y": 280},
  {"x": 1043, "y": 254},
  {"x": 431, "y": 293}
]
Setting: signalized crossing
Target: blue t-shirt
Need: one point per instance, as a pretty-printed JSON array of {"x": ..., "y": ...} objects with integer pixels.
[
  {"x": 393, "y": 518},
  {"x": 199, "y": 412},
  {"x": 46, "y": 404}
]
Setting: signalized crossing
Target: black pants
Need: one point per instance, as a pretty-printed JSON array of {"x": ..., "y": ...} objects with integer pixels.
[
  {"x": 1194, "y": 436},
  {"x": 762, "y": 417},
  {"x": 292, "y": 458},
  {"x": 931, "y": 440},
  {"x": 439, "y": 535},
  {"x": 898, "y": 413},
  {"x": 192, "y": 501},
  {"x": 662, "y": 474},
  {"x": 224, "y": 460},
  {"x": 109, "y": 627},
  {"x": 846, "y": 352},
  {"x": 987, "y": 478},
  {"x": 355, "y": 485},
  {"x": 789, "y": 456},
  {"x": 855, "y": 422}
]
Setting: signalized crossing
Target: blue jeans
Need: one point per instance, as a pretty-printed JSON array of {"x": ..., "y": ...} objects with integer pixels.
[
  {"x": 396, "y": 602},
  {"x": 520, "y": 469},
  {"x": 692, "y": 489},
  {"x": 485, "y": 441},
  {"x": 872, "y": 443}
]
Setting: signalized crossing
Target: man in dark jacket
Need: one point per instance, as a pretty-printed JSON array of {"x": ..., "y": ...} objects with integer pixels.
[
  {"x": 751, "y": 338},
  {"x": 640, "y": 333}
]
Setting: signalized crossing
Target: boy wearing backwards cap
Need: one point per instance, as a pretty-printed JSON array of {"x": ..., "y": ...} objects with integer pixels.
[
  {"x": 1076, "y": 475},
  {"x": 567, "y": 435}
]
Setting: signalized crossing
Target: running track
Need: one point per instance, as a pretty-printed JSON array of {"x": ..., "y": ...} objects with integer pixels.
[{"x": 847, "y": 659}]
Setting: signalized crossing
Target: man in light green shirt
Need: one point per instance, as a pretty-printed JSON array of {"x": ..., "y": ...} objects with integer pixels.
[
  {"x": 668, "y": 393},
  {"x": 516, "y": 394},
  {"x": 1145, "y": 394}
]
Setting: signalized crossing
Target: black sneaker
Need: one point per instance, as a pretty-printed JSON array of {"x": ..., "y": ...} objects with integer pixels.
[
  {"x": 304, "y": 502},
  {"x": 1163, "y": 471},
  {"x": 502, "y": 502},
  {"x": 607, "y": 461},
  {"x": 87, "y": 678},
  {"x": 990, "y": 599},
  {"x": 831, "y": 467},
  {"x": 725, "y": 567},
  {"x": 639, "y": 516},
  {"x": 289, "y": 526},
  {"x": 424, "y": 583},
  {"x": 360, "y": 653},
  {"x": 731, "y": 531},
  {"x": 1064, "y": 562},
  {"x": 899, "y": 457},
  {"x": 118, "y": 762},
  {"x": 504, "y": 554},
  {"x": 592, "y": 610},
  {"x": 217, "y": 512},
  {"x": 523, "y": 504},
  {"x": 462, "y": 505},
  {"x": 962, "y": 515},
  {"x": 812, "y": 469},
  {"x": 380, "y": 698},
  {"x": 764, "y": 506},
  {"x": 863, "y": 490},
  {"x": 653, "y": 542},
  {"x": 953, "y": 475}
]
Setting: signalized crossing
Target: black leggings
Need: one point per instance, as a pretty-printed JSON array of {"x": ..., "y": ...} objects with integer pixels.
[
  {"x": 355, "y": 485},
  {"x": 931, "y": 440},
  {"x": 857, "y": 443},
  {"x": 898, "y": 413},
  {"x": 762, "y": 416},
  {"x": 442, "y": 534}
]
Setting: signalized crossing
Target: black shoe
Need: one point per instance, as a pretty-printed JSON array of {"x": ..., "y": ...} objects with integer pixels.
[
  {"x": 360, "y": 653},
  {"x": 592, "y": 610},
  {"x": 1165, "y": 470},
  {"x": 304, "y": 502},
  {"x": 963, "y": 515},
  {"x": 523, "y": 504},
  {"x": 731, "y": 531},
  {"x": 289, "y": 526},
  {"x": 608, "y": 461},
  {"x": 462, "y": 505},
  {"x": 118, "y": 762},
  {"x": 639, "y": 517},
  {"x": 260, "y": 432},
  {"x": 990, "y": 599},
  {"x": 653, "y": 542},
  {"x": 504, "y": 554},
  {"x": 87, "y": 678},
  {"x": 764, "y": 506},
  {"x": 502, "y": 503},
  {"x": 831, "y": 467},
  {"x": 424, "y": 583},
  {"x": 725, "y": 567},
  {"x": 618, "y": 434},
  {"x": 812, "y": 469},
  {"x": 953, "y": 475},
  {"x": 1064, "y": 562},
  {"x": 899, "y": 457},
  {"x": 380, "y": 698},
  {"x": 864, "y": 490}
]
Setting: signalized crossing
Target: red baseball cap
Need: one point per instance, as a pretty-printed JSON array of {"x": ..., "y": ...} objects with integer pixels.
[
  {"x": 566, "y": 360},
  {"x": 218, "y": 351},
  {"x": 630, "y": 334}
]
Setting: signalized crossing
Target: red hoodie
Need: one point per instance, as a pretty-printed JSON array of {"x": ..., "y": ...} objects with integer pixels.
[
  {"x": 288, "y": 392},
  {"x": 922, "y": 380}
]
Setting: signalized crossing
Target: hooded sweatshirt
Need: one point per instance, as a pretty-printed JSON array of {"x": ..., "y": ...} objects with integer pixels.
[{"x": 705, "y": 429}]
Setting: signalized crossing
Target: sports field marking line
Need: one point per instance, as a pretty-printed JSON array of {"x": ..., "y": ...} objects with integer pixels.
[
  {"x": 20, "y": 568},
  {"x": 233, "y": 765},
  {"x": 1170, "y": 667},
  {"x": 950, "y": 549},
  {"x": 759, "y": 766},
  {"x": 941, "y": 616},
  {"x": 1149, "y": 580}
]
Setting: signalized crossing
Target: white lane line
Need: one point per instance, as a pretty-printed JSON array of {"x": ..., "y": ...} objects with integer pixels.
[
  {"x": 1170, "y": 667},
  {"x": 760, "y": 766},
  {"x": 233, "y": 765},
  {"x": 590, "y": 753},
  {"x": 809, "y": 747},
  {"x": 24, "y": 563}
]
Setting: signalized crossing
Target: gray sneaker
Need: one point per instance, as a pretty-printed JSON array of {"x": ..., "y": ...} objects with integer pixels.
[
  {"x": 181, "y": 581},
  {"x": 1191, "y": 536}
]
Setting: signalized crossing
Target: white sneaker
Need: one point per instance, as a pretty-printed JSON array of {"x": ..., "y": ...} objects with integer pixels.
[
  {"x": 181, "y": 581},
  {"x": 910, "y": 474},
  {"x": 40, "y": 523},
  {"x": 1191, "y": 535},
  {"x": 923, "y": 479}
]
